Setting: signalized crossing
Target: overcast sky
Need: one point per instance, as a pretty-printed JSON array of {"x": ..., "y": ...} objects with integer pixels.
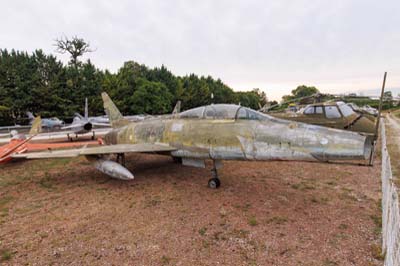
[{"x": 338, "y": 46}]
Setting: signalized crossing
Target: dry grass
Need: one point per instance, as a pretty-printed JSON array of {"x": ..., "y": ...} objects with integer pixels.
[{"x": 267, "y": 213}]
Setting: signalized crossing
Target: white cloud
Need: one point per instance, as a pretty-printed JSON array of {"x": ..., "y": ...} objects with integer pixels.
[{"x": 338, "y": 45}]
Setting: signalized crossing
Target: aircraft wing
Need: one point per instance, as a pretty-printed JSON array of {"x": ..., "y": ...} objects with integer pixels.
[
  {"x": 8, "y": 128},
  {"x": 104, "y": 149},
  {"x": 73, "y": 126},
  {"x": 100, "y": 124}
]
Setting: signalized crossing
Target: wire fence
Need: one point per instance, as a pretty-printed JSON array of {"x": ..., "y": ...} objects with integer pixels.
[{"x": 390, "y": 209}]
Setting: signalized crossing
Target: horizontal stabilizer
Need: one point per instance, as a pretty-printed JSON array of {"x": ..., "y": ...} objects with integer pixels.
[
  {"x": 73, "y": 126},
  {"x": 100, "y": 124}
]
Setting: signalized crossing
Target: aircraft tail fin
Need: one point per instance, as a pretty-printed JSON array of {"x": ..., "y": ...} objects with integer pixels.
[
  {"x": 86, "y": 109},
  {"x": 116, "y": 118},
  {"x": 177, "y": 109},
  {"x": 36, "y": 126},
  {"x": 78, "y": 115},
  {"x": 30, "y": 116}
]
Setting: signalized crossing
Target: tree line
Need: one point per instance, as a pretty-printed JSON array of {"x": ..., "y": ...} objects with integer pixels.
[{"x": 40, "y": 83}]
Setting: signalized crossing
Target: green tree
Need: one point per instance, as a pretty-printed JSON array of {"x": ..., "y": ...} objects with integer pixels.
[
  {"x": 253, "y": 99},
  {"x": 387, "y": 96},
  {"x": 41, "y": 83},
  {"x": 75, "y": 46},
  {"x": 165, "y": 76},
  {"x": 150, "y": 98},
  {"x": 300, "y": 92}
]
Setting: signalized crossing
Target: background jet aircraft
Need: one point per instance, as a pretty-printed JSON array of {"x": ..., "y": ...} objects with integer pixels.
[
  {"x": 217, "y": 132},
  {"x": 136, "y": 118},
  {"x": 83, "y": 124},
  {"x": 9, "y": 134},
  {"x": 18, "y": 142},
  {"x": 48, "y": 123},
  {"x": 362, "y": 112},
  {"x": 331, "y": 114}
]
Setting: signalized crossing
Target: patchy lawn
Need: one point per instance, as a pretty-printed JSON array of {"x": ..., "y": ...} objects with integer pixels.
[{"x": 265, "y": 213}]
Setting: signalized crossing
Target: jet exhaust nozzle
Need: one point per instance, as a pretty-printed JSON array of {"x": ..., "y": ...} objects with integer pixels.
[
  {"x": 343, "y": 146},
  {"x": 113, "y": 169},
  {"x": 88, "y": 126}
]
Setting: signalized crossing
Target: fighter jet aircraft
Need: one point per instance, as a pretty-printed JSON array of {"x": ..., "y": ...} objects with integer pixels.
[
  {"x": 362, "y": 112},
  {"x": 9, "y": 134},
  {"x": 136, "y": 118},
  {"x": 83, "y": 124},
  {"x": 217, "y": 132},
  {"x": 18, "y": 142},
  {"x": 49, "y": 123},
  {"x": 331, "y": 114}
]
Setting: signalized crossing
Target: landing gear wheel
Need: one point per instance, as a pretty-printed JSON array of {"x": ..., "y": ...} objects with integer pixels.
[
  {"x": 121, "y": 158},
  {"x": 214, "y": 183},
  {"x": 93, "y": 136},
  {"x": 177, "y": 159}
]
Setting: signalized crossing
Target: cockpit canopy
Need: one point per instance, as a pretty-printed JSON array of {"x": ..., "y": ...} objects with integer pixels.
[
  {"x": 331, "y": 110},
  {"x": 223, "y": 111}
]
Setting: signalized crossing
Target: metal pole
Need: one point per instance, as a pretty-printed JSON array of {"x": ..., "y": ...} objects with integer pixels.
[
  {"x": 380, "y": 107},
  {"x": 371, "y": 158}
]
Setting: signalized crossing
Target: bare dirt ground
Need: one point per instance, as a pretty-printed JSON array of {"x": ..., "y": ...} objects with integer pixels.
[{"x": 63, "y": 212}]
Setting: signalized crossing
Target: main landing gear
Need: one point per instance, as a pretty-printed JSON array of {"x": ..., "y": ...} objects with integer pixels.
[
  {"x": 70, "y": 138},
  {"x": 214, "y": 182},
  {"x": 121, "y": 158},
  {"x": 76, "y": 136}
]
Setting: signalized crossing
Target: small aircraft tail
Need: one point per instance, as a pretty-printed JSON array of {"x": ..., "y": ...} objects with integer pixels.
[
  {"x": 30, "y": 116},
  {"x": 36, "y": 126},
  {"x": 78, "y": 115},
  {"x": 177, "y": 109},
  {"x": 116, "y": 118},
  {"x": 86, "y": 109}
]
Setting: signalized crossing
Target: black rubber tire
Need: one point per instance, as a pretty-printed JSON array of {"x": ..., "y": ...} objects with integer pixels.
[
  {"x": 214, "y": 183},
  {"x": 177, "y": 159}
]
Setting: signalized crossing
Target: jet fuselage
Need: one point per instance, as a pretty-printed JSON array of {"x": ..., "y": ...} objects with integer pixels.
[{"x": 241, "y": 139}]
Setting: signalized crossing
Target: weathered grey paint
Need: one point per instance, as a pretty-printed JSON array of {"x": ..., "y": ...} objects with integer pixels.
[{"x": 272, "y": 139}]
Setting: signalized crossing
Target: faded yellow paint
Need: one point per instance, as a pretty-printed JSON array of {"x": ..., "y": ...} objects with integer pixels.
[{"x": 255, "y": 137}]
